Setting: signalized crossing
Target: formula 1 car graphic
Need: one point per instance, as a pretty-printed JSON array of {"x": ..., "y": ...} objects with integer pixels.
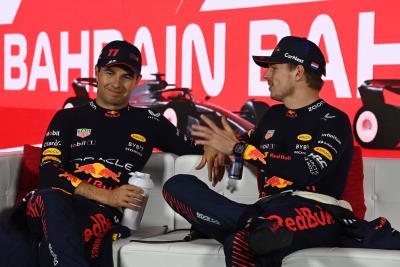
[
  {"x": 376, "y": 123},
  {"x": 178, "y": 105}
]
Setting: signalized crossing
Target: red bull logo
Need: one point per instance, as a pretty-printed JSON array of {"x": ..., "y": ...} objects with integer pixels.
[
  {"x": 253, "y": 153},
  {"x": 276, "y": 181},
  {"x": 75, "y": 181},
  {"x": 112, "y": 114},
  {"x": 98, "y": 170},
  {"x": 291, "y": 114}
]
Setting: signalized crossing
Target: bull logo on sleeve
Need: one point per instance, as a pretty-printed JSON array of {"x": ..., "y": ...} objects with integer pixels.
[{"x": 253, "y": 153}]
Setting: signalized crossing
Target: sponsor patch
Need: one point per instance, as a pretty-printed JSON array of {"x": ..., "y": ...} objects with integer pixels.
[
  {"x": 53, "y": 133},
  {"x": 51, "y": 151},
  {"x": 83, "y": 132},
  {"x": 324, "y": 152},
  {"x": 139, "y": 138},
  {"x": 253, "y": 153},
  {"x": 291, "y": 114},
  {"x": 304, "y": 137},
  {"x": 112, "y": 114},
  {"x": 269, "y": 134},
  {"x": 154, "y": 114},
  {"x": 250, "y": 132},
  {"x": 46, "y": 158}
]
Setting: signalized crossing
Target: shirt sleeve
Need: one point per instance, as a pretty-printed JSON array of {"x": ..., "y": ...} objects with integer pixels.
[
  {"x": 171, "y": 139},
  {"x": 322, "y": 155},
  {"x": 55, "y": 154}
]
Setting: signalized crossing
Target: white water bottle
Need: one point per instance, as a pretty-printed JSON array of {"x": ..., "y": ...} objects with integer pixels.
[{"x": 132, "y": 218}]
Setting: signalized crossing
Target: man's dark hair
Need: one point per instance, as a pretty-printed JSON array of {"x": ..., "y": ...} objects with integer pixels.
[{"x": 314, "y": 80}]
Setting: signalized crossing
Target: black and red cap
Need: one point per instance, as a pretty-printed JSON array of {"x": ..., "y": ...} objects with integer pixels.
[
  {"x": 295, "y": 50},
  {"x": 121, "y": 53}
]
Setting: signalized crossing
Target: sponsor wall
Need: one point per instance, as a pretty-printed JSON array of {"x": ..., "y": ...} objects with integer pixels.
[{"x": 205, "y": 45}]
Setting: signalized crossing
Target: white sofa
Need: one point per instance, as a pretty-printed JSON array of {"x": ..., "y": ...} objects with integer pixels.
[{"x": 381, "y": 183}]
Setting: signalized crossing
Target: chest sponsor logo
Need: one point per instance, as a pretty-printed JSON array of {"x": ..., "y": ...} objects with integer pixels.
[
  {"x": 135, "y": 148},
  {"x": 322, "y": 163},
  {"x": 154, "y": 116},
  {"x": 304, "y": 137},
  {"x": 97, "y": 168},
  {"x": 269, "y": 134},
  {"x": 83, "y": 132},
  {"x": 328, "y": 116},
  {"x": 302, "y": 147},
  {"x": 138, "y": 137},
  {"x": 152, "y": 113},
  {"x": 83, "y": 143},
  {"x": 53, "y": 133},
  {"x": 328, "y": 145},
  {"x": 51, "y": 151},
  {"x": 280, "y": 156},
  {"x": 324, "y": 152},
  {"x": 267, "y": 146},
  {"x": 54, "y": 143},
  {"x": 50, "y": 158},
  {"x": 332, "y": 136}
]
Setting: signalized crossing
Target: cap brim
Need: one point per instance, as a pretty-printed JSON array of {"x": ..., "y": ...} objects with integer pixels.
[
  {"x": 124, "y": 65},
  {"x": 264, "y": 61}
]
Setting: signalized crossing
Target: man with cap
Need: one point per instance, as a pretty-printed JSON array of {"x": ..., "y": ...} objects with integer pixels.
[
  {"x": 302, "y": 149},
  {"x": 87, "y": 155}
]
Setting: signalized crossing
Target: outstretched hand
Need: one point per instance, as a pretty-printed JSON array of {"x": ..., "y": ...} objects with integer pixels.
[
  {"x": 215, "y": 163},
  {"x": 221, "y": 139}
]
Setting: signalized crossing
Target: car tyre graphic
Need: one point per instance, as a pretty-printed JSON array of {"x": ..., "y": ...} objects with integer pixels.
[{"x": 376, "y": 128}]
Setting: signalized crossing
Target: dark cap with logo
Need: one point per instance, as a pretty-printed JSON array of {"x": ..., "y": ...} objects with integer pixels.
[
  {"x": 295, "y": 50},
  {"x": 121, "y": 53}
]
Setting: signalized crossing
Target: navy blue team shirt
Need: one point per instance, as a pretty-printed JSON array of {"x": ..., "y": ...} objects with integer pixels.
[{"x": 102, "y": 147}]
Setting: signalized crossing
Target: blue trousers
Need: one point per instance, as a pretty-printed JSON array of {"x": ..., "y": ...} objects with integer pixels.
[
  {"x": 224, "y": 220},
  {"x": 71, "y": 228}
]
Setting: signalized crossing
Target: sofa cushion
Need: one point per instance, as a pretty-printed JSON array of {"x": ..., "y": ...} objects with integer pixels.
[
  {"x": 29, "y": 172},
  {"x": 354, "y": 189},
  {"x": 197, "y": 253}
]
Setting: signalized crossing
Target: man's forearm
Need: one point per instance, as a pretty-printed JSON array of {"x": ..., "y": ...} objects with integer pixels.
[{"x": 93, "y": 192}]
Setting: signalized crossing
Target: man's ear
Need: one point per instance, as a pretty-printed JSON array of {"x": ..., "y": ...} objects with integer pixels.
[
  {"x": 138, "y": 79},
  {"x": 299, "y": 72},
  {"x": 96, "y": 71}
]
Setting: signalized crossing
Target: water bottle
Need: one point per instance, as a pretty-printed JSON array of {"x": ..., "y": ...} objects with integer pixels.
[
  {"x": 236, "y": 168},
  {"x": 132, "y": 218}
]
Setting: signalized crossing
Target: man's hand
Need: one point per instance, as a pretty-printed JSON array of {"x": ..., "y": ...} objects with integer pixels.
[
  {"x": 215, "y": 164},
  {"x": 221, "y": 139},
  {"x": 125, "y": 196}
]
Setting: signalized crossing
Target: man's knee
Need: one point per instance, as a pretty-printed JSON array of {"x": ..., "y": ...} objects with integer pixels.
[{"x": 179, "y": 182}]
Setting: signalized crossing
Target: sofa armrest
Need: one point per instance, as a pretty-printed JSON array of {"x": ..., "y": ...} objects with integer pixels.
[{"x": 9, "y": 172}]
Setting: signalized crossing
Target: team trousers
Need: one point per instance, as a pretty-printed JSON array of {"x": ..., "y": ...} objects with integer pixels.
[
  {"x": 70, "y": 228},
  {"x": 224, "y": 220}
]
